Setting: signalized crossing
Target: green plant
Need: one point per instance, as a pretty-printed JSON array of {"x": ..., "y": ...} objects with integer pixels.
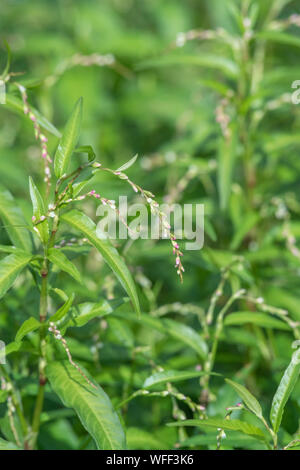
[{"x": 224, "y": 134}]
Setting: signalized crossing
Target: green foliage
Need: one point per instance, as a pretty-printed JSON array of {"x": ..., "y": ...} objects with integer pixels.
[
  {"x": 68, "y": 141},
  {"x": 85, "y": 225},
  {"x": 284, "y": 390},
  {"x": 190, "y": 101},
  {"x": 10, "y": 267},
  {"x": 93, "y": 407}
]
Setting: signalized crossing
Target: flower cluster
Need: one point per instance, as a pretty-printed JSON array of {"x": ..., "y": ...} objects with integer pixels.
[
  {"x": 72, "y": 242},
  {"x": 178, "y": 189},
  {"x": 182, "y": 38},
  {"x": 57, "y": 335},
  {"x": 95, "y": 59},
  {"x": 166, "y": 228},
  {"x": 38, "y": 134},
  {"x": 223, "y": 118},
  {"x": 294, "y": 20}
]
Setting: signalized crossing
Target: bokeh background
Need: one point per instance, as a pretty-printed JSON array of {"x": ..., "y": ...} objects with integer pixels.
[{"x": 161, "y": 101}]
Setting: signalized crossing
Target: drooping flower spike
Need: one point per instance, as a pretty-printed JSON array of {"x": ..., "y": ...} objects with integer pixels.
[
  {"x": 38, "y": 135},
  {"x": 57, "y": 335},
  {"x": 154, "y": 207}
]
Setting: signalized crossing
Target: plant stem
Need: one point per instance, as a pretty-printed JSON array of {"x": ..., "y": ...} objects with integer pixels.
[
  {"x": 16, "y": 402},
  {"x": 42, "y": 378},
  {"x": 38, "y": 409},
  {"x": 44, "y": 288},
  {"x": 208, "y": 367}
]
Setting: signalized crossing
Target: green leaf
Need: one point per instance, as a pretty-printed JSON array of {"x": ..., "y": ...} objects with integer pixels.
[
  {"x": 6, "y": 445},
  {"x": 207, "y": 61},
  {"x": 10, "y": 267},
  {"x": 121, "y": 332},
  {"x": 284, "y": 390},
  {"x": 8, "y": 249},
  {"x": 39, "y": 211},
  {"x": 68, "y": 141},
  {"x": 232, "y": 439},
  {"x": 8, "y": 61},
  {"x": 13, "y": 219},
  {"x": 260, "y": 319},
  {"x": 247, "y": 397},
  {"x": 92, "y": 406},
  {"x": 61, "y": 312},
  {"x": 179, "y": 331},
  {"x": 227, "y": 158},
  {"x": 279, "y": 37},
  {"x": 89, "y": 310},
  {"x": 165, "y": 376},
  {"x": 31, "y": 324},
  {"x": 227, "y": 424},
  {"x": 59, "y": 259},
  {"x": 12, "y": 347},
  {"x": 60, "y": 293},
  {"x": 249, "y": 221},
  {"x": 84, "y": 224},
  {"x": 138, "y": 438},
  {"x": 85, "y": 178},
  {"x": 3, "y": 394},
  {"x": 86, "y": 149},
  {"x": 187, "y": 335},
  {"x": 128, "y": 164}
]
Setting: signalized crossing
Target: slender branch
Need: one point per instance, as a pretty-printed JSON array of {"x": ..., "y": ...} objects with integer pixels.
[{"x": 42, "y": 362}]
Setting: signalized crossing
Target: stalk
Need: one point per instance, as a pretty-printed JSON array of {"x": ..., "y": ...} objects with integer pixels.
[
  {"x": 43, "y": 316},
  {"x": 16, "y": 403},
  {"x": 208, "y": 367},
  {"x": 42, "y": 362}
]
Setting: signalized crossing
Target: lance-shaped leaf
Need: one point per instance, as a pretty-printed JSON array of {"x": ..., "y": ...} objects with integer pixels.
[
  {"x": 6, "y": 445},
  {"x": 128, "y": 164},
  {"x": 260, "y": 319},
  {"x": 160, "y": 378},
  {"x": 63, "y": 310},
  {"x": 39, "y": 211},
  {"x": 208, "y": 61},
  {"x": 29, "y": 325},
  {"x": 247, "y": 397},
  {"x": 59, "y": 259},
  {"x": 284, "y": 390},
  {"x": 10, "y": 267},
  {"x": 187, "y": 335},
  {"x": 279, "y": 37},
  {"x": 13, "y": 219},
  {"x": 68, "y": 141},
  {"x": 85, "y": 225},
  {"x": 227, "y": 158},
  {"x": 86, "y": 149},
  {"x": 92, "y": 406},
  {"x": 89, "y": 310},
  {"x": 227, "y": 424},
  {"x": 8, "y": 61},
  {"x": 180, "y": 332}
]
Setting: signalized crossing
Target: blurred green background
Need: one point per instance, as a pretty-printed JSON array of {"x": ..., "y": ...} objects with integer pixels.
[{"x": 160, "y": 101}]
